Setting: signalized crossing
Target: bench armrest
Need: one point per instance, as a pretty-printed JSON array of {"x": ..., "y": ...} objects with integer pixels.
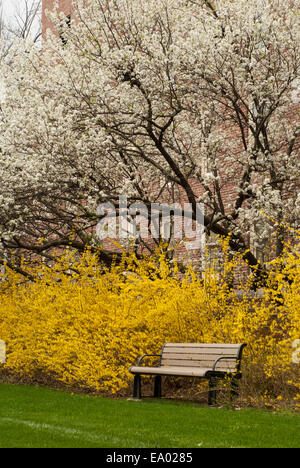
[
  {"x": 147, "y": 355},
  {"x": 232, "y": 358}
]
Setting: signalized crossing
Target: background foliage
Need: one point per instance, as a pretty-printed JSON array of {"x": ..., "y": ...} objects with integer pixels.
[{"x": 84, "y": 326}]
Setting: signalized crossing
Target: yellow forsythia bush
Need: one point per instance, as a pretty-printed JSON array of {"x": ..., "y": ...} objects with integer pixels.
[{"x": 84, "y": 326}]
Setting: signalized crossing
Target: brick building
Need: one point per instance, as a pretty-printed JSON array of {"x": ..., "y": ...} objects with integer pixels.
[{"x": 65, "y": 5}]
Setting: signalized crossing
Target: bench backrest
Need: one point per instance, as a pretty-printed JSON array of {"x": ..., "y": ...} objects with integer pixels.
[{"x": 202, "y": 355}]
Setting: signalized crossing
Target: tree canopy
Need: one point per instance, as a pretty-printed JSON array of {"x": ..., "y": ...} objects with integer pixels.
[{"x": 150, "y": 99}]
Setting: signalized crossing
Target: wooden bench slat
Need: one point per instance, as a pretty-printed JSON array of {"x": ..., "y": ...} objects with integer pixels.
[
  {"x": 202, "y": 345},
  {"x": 199, "y": 352},
  {"x": 172, "y": 371},
  {"x": 196, "y": 362},
  {"x": 189, "y": 363},
  {"x": 195, "y": 357}
]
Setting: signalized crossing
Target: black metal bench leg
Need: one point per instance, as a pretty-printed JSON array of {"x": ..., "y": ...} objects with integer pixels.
[
  {"x": 157, "y": 386},
  {"x": 137, "y": 391},
  {"x": 212, "y": 393}
]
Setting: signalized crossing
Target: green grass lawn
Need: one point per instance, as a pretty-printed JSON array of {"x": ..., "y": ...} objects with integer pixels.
[{"x": 34, "y": 417}]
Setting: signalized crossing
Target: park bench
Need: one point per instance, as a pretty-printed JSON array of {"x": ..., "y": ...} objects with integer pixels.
[{"x": 206, "y": 361}]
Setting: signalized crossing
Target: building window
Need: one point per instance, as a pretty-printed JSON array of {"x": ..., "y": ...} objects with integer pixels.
[{"x": 62, "y": 34}]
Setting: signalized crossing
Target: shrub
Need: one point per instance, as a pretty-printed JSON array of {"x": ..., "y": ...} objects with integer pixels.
[{"x": 84, "y": 326}]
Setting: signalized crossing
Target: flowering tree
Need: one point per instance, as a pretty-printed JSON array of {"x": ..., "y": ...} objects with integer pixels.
[{"x": 141, "y": 98}]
